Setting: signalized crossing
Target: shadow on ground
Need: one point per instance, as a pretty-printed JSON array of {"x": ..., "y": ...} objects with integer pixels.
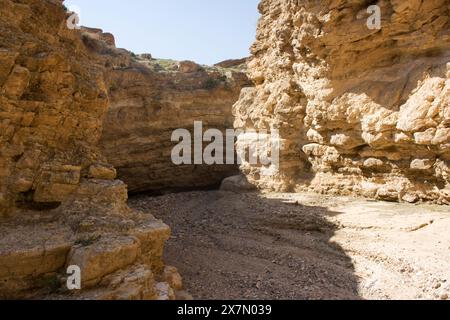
[{"x": 245, "y": 246}]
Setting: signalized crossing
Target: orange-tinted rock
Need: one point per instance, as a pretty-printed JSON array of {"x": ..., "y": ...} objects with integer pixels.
[{"x": 57, "y": 191}]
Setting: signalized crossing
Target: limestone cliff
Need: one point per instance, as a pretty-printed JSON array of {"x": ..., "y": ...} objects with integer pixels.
[
  {"x": 360, "y": 111},
  {"x": 149, "y": 99},
  {"x": 53, "y": 99},
  {"x": 60, "y": 204}
]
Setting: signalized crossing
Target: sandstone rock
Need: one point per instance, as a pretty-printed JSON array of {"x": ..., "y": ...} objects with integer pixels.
[
  {"x": 388, "y": 193},
  {"x": 411, "y": 198},
  {"x": 148, "y": 105},
  {"x": 119, "y": 252},
  {"x": 98, "y": 34},
  {"x": 442, "y": 136},
  {"x": 30, "y": 252},
  {"x": 17, "y": 82},
  {"x": 426, "y": 137},
  {"x": 135, "y": 283},
  {"x": 173, "y": 278},
  {"x": 369, "y": 189},
  {"x": 237, "y": 184},
  {"x": 59, "y": 202},
  {"x": 7, "y": 59},
  {"x": 189, "y": 67},
  {"x": 373, "y": 163},
  {"x": 232, "y": 63},
  {"x": 350, "y": 109},
  {"x": 53, "y": 98},
  {"x": 104, "y": 257},
  {"x": 107, "y": 197},
  {"x": 57, "y": 183},
  {"x": 152, "y": 235},
  {"x": 422, "y": 164},
  {"x": 164, "y": 291},
  {"x": 104, "y": 172}
]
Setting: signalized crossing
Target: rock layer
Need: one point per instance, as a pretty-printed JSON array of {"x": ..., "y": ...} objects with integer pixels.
[
  {"x": 359, "y": 111},
  {"x": 53, "y": 99},
  {"x": 149, "y": 99},
  {"x": 60, "y": 204}
]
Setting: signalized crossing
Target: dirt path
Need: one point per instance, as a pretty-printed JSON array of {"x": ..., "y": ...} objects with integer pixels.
[{"x": 302, "y": 246}]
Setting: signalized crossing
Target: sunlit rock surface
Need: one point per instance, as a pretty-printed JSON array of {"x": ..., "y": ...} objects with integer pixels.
[{"x": 359, "y": 111}]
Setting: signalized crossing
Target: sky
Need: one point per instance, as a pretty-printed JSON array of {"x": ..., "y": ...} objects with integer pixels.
[{"x": 205, "y": 31}]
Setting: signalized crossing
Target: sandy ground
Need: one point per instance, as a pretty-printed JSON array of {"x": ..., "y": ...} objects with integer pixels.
[{"x": 304, "y": 246}]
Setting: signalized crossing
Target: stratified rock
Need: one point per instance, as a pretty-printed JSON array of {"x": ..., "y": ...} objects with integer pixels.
[
  {"x": 136, "y": 283},
  {"x": 53, "y": 98},
  {"x": 149, "y": 101},
  {"x": 355, "y": 107},
  {"x": 105, "y": 172},
  {"x": 119, "y": 251},
  {"x": 103, "y": 257},
  {"x": 232, "y": 63},
  {"x": 59, "y": 203},
  {"x": 189, "y": 67},
  {"x": 106, "y": 37}
]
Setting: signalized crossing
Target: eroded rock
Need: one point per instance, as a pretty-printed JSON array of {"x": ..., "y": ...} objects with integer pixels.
[
  {"x": 354, "y": 106},
  {"x": 60, "y": 204},
  {"x": 150, "y": 99},
  {"x": 237, "y": 184}
]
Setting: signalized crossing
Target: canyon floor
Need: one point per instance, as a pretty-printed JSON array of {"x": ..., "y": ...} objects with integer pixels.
[{"x": 304, "y": 246}]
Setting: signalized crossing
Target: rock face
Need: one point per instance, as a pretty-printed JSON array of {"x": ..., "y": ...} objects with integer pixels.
[
  {"x": 233, "y": 63},
  {"x": 52, "y": 99},
  {"x": 360, "y": 111},
  {"x": 149, "y": 99},
  {"x": 59, "y": 203}
]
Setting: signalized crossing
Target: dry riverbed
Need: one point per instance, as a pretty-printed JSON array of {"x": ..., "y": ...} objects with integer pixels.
[{"x": 304, "y": 246}]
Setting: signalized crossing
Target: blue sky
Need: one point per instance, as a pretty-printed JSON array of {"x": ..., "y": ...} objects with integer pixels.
[{"x": 206, "y": 31}]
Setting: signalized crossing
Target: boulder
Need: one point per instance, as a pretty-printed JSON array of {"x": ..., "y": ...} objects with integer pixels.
[{"x": 189, "y": 67}]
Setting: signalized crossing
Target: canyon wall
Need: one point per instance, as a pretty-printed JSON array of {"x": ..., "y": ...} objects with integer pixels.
[
  {"x": 53, "y": 99},
  {"x": 149, "y": 99},
  {"x": 60, "y": 204},
  {"x": 360, "y": 111}
]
